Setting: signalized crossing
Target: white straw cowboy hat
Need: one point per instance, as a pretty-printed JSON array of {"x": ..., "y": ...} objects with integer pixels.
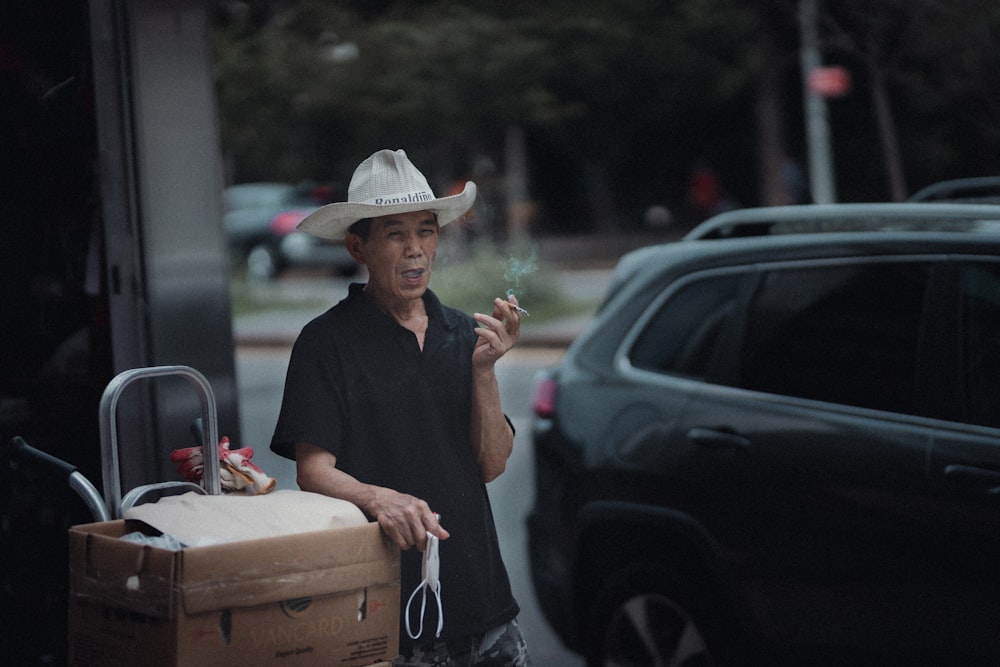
[{"x": 385, "y": 184}]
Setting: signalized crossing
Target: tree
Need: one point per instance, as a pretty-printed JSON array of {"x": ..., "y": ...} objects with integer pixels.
[
  {"x": 935, "y": 59},
  {"x": 616, "y": 100}
]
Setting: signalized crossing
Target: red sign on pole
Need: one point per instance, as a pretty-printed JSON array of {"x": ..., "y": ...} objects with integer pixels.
[{"x": 830, "y": 81}]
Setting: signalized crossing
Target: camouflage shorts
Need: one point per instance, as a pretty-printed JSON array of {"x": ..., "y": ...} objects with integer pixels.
[{"x": 500, "y": 647}]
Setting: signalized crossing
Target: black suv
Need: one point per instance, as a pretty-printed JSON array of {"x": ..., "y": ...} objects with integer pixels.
[{"x": 778, "y": 442}]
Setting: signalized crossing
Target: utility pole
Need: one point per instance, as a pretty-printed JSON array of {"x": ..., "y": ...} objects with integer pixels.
[{"x": 821, "y": 178}]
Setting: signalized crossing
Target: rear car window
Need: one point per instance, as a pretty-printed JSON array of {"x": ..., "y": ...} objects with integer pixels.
[{"x": 842, "y": 334}]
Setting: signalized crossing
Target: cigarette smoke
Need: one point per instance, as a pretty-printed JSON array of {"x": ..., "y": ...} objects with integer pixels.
[{"x": 516, "y": 268}]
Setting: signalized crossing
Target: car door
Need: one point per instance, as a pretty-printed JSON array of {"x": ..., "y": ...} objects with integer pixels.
[
  {"x": 965, "y": 461},
  {"x": 810, "y": 389}
]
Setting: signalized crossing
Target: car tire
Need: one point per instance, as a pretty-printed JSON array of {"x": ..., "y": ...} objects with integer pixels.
[
  {"x": 644, "y": 616},
  {"x": 262, "y": 263}
]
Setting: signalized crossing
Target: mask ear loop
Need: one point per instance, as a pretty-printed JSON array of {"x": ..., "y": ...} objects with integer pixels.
[{"x": 431, "y": 573}]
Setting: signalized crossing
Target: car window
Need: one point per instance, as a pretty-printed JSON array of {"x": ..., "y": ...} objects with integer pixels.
[
  {"x": 841, "y": 334},
  {"x": 684, "y": 336},
  {"x": 980, "y": 334},
  {"x": 845, "y": 334}
]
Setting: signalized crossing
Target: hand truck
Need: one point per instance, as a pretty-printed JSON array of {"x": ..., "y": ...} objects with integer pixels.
[{"x": 113, "y": 504}]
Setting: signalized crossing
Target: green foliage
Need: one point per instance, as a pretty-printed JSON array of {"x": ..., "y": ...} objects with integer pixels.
[
  {"x": 937, "y": 57},
  {"x": 472, "y": 284},
  {"x": 446, "y": 80},
  {"x": 617, "y": 99},
  {"x": 468, "y": 283}
]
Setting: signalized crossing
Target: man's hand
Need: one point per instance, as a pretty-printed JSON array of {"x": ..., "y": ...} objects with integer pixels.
[
  {"x": 406, "y": 520},
  {"x": 497, "y": 333}
]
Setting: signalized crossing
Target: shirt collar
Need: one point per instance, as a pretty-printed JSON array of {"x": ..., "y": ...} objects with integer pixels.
[{"x": 437, "y": 314}]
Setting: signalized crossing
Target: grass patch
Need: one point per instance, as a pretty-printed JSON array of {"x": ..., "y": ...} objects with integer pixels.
[
  {"x": 247, "y": 298},
  {"x": 471, "y": 284}
]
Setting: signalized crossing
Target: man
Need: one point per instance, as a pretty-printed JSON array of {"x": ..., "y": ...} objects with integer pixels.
[{"x": 391, "y": 402}]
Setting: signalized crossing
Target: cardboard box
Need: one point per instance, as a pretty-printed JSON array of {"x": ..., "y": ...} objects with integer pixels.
[{"x": 327, "y": 597}]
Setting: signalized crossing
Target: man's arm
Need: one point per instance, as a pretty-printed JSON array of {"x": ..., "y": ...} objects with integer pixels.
[
  {"x": 404, "y": 518},
  {"x": 491, "y": 435}
]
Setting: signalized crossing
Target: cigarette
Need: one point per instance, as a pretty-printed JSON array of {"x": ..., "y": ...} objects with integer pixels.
[{"x": 510, "y": 293}]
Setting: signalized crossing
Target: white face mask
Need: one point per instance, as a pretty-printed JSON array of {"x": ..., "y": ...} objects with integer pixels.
[{"x": 431, "y": 570}]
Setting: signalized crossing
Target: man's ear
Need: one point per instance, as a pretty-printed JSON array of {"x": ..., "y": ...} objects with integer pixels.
[{"x": 355, "y": 246}]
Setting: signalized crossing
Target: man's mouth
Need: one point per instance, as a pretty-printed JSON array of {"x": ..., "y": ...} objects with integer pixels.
[{"x": 413, "y": 274}]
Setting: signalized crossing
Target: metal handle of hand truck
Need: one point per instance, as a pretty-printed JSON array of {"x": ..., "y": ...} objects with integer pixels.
[
  {"x": 19, "y": 450},
  {"x": 109, "y": 431}
]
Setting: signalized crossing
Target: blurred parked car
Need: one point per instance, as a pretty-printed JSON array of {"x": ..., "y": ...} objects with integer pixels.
[
  {"x": 260, "y": 221},
  {"x": 778, "y": 442},
  {"x": 977, "y": 190}
]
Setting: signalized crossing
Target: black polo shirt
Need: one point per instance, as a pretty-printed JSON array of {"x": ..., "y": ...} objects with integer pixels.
[{"x": 359, "y": 386}]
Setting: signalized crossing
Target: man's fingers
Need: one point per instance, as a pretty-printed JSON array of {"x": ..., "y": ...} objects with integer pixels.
[
  {"x": 407, "y": 520},
  {"x": 399, "y": 533},
  {"x": 501, "y": 334},
  {"x": 432, "y": 524}
]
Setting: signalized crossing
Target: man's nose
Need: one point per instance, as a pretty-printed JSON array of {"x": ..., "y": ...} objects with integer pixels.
[{"x": 413, "y": 246}]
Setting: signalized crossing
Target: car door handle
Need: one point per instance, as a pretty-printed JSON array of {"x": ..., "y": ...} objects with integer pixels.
[
  {"x": 712, "y": 438},
  {"x": 984, "y": 479}
]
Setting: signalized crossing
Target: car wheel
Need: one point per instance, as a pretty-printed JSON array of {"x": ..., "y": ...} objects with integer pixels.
[
  {"x": 262, "y": 263},
  {"x": 642, "y": 619}
]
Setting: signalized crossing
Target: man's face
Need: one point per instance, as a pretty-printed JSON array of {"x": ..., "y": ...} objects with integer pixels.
[{"x": 399, "y": 254}]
